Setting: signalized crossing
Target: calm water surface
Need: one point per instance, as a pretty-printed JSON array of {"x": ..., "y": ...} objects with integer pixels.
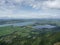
[
  {"x": 18, "y": 24},
  {"x": 43, "y": 26},
  {"x": 28, "y": 23}
]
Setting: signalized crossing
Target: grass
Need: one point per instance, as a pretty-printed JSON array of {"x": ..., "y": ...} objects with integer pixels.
[
  {"x": 26, "y": 36},
  {"x": 23, "y": 31}
]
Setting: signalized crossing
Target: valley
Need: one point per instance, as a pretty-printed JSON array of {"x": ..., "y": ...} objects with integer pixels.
[{"x": 30, "y": 32}]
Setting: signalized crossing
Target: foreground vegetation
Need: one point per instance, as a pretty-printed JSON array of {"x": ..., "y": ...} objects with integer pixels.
[{"x": 26, "y": 35}]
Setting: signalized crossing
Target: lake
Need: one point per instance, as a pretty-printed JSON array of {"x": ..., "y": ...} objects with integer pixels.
[
  {"x": 43, "y": 26},
  {"x": 29, "y": 23},
  {"x": 18, "y": 24}
]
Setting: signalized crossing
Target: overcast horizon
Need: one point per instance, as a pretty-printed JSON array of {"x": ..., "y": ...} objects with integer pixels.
[{"x": 26, "y": 9}]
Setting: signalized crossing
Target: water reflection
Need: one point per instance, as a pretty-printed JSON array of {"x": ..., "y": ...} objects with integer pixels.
[{"x": 43, "y": 26}]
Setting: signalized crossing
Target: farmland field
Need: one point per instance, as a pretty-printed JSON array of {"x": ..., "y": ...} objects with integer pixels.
[{"x": 27, "y": 35}]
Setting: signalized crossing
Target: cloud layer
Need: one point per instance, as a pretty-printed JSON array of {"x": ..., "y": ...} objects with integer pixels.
[
  {"x": 37, "y": 4},
  {"x": 9, "y": 7}
]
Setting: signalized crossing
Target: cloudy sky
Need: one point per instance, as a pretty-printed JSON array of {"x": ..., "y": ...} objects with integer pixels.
[{"x": 29, "y": 8}]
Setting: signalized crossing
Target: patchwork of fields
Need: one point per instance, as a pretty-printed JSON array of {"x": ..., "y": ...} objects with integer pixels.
[{"x": 26, "y": 35}]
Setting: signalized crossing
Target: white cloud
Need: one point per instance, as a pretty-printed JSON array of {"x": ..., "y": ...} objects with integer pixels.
[
  {"x": 18, "y": 1},
  {"x": 33, "y": 3},
  {"x": 49, "y": 4},
  {"x": 52, "y": 4},
  {"x": 9, "y": 6}
]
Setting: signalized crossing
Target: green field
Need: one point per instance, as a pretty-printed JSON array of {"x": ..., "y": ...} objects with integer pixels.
[{"x": 26, "y": 35}]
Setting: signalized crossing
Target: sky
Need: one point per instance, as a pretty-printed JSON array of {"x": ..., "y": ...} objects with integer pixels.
[{"x": 29, "y": 9}]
